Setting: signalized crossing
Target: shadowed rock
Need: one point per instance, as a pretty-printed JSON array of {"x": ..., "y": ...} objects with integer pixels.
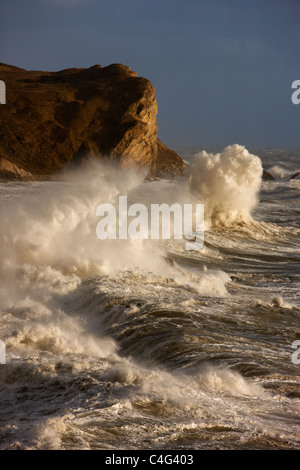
[{"x": 267, "y": 176}]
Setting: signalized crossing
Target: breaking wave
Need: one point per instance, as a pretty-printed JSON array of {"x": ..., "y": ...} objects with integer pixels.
[
  {"x": 228, "y": 183},
  {"x": 171, "y": 347}
]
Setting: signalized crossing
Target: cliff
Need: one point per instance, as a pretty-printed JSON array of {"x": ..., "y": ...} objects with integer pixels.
[{"x": 55, "y": 119}]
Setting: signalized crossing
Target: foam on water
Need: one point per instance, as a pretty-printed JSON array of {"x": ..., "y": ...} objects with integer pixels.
[
  {"x": 57, "y": 228},
  {"x": 139, "y": 344}
]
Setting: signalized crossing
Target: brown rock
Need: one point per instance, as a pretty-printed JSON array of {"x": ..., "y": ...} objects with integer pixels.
[
  {"x": 9, "y": 170},
  {"x": 55, "y": 119},
  {"x": 168, "y": 162}
]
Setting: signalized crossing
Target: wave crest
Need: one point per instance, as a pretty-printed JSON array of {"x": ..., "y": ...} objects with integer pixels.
[{"x": 228, "y": 183}]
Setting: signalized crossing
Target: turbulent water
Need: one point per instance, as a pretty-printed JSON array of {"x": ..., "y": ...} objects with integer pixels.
[{"x": 141, "y": 344}]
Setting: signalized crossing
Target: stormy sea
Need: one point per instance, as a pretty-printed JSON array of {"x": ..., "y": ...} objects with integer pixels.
[{"x": 141, "y": 343}]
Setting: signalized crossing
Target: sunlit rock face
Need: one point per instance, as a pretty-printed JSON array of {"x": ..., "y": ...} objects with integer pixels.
[{"x": 52, "y": 120}]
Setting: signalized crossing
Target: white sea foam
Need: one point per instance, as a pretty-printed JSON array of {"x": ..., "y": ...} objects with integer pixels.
[
  {"x": 65, "y": 290},
  {"x": 154, "y": 390},
  {"x": 162, "y": 384},
  {"x": 278, "y": 172},
  {"x": 56, "y": 225},
  {"x": 48, "y": 238},
  {"x": 279, "y": 302},
  {"x": 227, "y": 183}
]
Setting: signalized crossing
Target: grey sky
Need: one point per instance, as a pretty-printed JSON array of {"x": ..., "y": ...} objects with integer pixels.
[{"x": 222, "y": 69}]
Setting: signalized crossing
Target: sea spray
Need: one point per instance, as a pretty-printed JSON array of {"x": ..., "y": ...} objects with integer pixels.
[
  {"x": 115, "y": 348},
  {"x": 56, "y": 228},
  {"x": 48, "y": 237},
  {"x": 228, "y": 183}
]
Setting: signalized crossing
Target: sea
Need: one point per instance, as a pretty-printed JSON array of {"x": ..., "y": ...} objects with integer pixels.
[{"x": 142, "y": 344}]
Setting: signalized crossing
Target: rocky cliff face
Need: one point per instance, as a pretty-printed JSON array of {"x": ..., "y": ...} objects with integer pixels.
[{"x": 55, "y": 119}]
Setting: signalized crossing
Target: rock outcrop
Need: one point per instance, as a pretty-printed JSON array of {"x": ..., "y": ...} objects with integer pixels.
[
  {"x": 55, "y": 119},
  {"x": 267, "y": 176},
  {"x": 9, "y": 170},
  {"x": 168, "y": 162},
  {"x": 296, "y": 176}
]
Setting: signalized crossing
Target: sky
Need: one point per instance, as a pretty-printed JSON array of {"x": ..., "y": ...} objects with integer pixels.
[{"x": 222, "y": 69}]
